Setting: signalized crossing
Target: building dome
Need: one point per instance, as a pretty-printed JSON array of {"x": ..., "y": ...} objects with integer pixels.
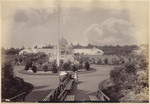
[{"x": 63, "y": 41}]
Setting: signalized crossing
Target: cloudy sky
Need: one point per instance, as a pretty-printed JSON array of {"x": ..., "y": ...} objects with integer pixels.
[{"x": 30, "y": 23}]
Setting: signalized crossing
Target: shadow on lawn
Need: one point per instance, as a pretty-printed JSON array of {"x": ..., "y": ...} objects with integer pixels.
[
  {"x": 35, "y": 96},
  {"x": 39, "y": 87},
  {"x": 92, "y": 70}
]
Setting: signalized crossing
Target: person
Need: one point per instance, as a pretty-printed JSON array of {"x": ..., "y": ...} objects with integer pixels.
[
  {"x": 76, "y": 77},
  {"x": 62, "y": 76}
]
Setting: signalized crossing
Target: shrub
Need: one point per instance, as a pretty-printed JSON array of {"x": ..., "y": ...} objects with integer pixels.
[
  {"x": 80, "y": 60},
  {"x": 20, "y": 60},
  {"x": 130, "y": 68},
  {"x": 61, "y": 63},
  {"x": 99, "y": 61},
  {"x": 87, "y": 65},
  {"x": 45, "y": 68},
  {"x": 105, "y": 61},
  {"x": 40, "y": 55},
  {"x": 93, "y": 61},
  {"x": 16, "y": 60},
  {"x": 114, "y": 61},
  {"x": 28, "y": 65},
  {"x": 12, "y": 86},
  {"x": 66, "y": 66},
  {"x": 114, "y": 74},
  {"x": 40, "y": 62},
  {"x": 74, "y": 67},
  {"x": 129, "y": 81},
  {"x": 34, "y": 68},
  {"x": 54, "y": 67},
  {"x": 80, "y": 66},
  {"x": 7, "y": 70}
]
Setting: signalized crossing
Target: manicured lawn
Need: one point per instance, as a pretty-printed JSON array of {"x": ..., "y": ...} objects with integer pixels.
[{"x": 43, "y": 84}]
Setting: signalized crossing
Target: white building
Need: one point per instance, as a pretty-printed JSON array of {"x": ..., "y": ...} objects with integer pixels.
[
  {"x": 66, "y": 51},
  {"x": 26, "y": 51}
]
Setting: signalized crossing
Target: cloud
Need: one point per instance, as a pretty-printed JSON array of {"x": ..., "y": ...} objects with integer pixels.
[
  {"x": 32, "y": 26},
  {"x": 34, "y": 17},
  {"x": 111, "y": 31},
  {"x": 93, "y": 33}
]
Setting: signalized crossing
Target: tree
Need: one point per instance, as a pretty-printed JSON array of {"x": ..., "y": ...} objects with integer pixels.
[
  {"x": 99, "y": 61},
  {"x": 28, "y": 65},
  {"x": 45, "y": 68},
  {"x": 93, "y": 60},
  {"x": 61, "y": 63},
  {"x": 90, "y": 46},
  {"x": 7, "y": 69},
  {"x": 105, "y": 61},
  {"x": 34, "y": 68},
  {"x": 87, "y": 65},
  {"x": 12, "y": 85},
  {"x": 54, "y": 67},
  {"x": 74, "y": 67},
  {"x": 66, "y": 65}
]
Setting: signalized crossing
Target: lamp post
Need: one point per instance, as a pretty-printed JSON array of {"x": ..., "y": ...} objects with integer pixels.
[{"x": 58, "y": 52}]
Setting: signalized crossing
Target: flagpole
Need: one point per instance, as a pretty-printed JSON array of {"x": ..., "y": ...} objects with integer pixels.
[{"x": 58, "y": 53}]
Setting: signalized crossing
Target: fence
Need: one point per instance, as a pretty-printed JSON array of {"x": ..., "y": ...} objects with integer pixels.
[
  {"x": 19, "y": 97},
  {"x": 101, "y": 96}
]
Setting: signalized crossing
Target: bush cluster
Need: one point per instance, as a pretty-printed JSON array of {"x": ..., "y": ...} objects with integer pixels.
[
  {"x": 130, "y": 78},
  {"x": 101, "y": 61},
  {"x": 11, "y": 85}
]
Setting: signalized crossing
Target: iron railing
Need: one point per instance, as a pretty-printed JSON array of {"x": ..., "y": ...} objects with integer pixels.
[
  {"x": 17, "y": 98},
  {"x": 59, "y": 93},
  {"x": 101, "y": 96}
]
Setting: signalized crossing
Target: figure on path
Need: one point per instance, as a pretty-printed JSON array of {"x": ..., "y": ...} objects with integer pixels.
[{"x": 76, "y": 77}]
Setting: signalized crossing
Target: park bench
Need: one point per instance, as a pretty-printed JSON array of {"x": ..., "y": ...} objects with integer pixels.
[
  {"x": 70, "y": 98},
  {"x": 69, "y": 85},
  {"x": 62, "y": 96},
  {"x": 60, "y": 93}
]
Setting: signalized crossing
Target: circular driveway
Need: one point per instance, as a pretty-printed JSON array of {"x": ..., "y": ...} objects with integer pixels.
[{"x": 44, "y": 84}]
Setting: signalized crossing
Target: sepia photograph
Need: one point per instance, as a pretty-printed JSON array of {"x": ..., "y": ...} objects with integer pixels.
[{"x": 74, "y": 51}]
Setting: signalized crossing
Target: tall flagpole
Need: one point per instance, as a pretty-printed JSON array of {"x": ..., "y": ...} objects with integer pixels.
[{"x": 58, "y": 52}]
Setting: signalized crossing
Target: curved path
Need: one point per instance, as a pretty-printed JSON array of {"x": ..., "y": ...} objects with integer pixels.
[
  {"x": 43, "y": 85},
  {"x": 87, "y": 85}
]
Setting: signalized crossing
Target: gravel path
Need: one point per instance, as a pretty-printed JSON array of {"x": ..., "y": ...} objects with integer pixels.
[{"x": 88, "y": 83}]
